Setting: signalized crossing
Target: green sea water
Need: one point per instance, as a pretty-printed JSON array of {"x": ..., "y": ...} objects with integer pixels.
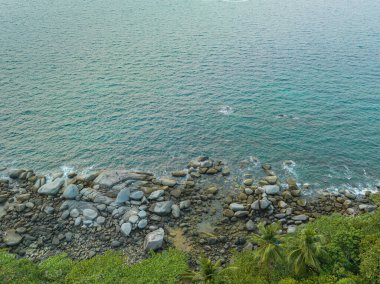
[{"x": 151, "y": 84}]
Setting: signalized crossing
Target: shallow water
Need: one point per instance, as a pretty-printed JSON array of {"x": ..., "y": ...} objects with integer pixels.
[{"x": 151, "y": 84}]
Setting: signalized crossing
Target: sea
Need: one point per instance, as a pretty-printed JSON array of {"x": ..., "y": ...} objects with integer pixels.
[{"x": 151, "y": 84}]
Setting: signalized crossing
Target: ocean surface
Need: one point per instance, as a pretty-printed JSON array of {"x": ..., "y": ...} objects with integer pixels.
[{"x": 151, "y": 84}]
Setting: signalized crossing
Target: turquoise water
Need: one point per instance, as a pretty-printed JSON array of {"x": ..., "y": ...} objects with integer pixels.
[{"x": 151, "y": 84}]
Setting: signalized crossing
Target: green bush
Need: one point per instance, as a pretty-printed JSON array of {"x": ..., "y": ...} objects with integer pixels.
[
  {"x": 370, "y": 258},
  {"x": 18, "y": 271},
  {"x": 162, "y": 267},
  {"x": 107, "y": 268},
  {"x": 56, "y": 268},
  {"x": 288, "y": 281},
  {"x": 346, "y": 281}
]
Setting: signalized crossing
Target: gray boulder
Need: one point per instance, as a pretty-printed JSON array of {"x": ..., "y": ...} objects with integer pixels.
[
  {"x": 236, "y": 207},
  {"x": 11, "y": 238},
  {"x": 168, "y": 181},
  {"x": 123, "y": 195},
  {"x": 156, "y": 194},
  {"x": 52, "y": 188},
  {"x": 162, "y": 208},
  {"x": 271, "y": 189},
  {"x": 137, "y": 195},
  {"x": 301, "y": 217},
  {"x": 126, "y": 229},
  {"x": 109, "y": 178},
  {"x": 89, "y": 214},
  {"x": 70, "y": 192},
  {"x": 154, "y": 240}
]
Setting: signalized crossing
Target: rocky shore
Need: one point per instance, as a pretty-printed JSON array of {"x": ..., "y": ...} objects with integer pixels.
[{"x": 201, "y": 209}]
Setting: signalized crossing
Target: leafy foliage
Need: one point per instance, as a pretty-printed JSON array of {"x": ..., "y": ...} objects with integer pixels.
[
  {"x": 160, "y": 268},
  {"x": 305, "y": 250}
]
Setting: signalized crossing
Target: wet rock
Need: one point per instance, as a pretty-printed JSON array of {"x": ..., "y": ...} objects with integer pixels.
[
  {"x": 168, "y": 182},
  {"x": 14, "y": 174},
  {"x": 248, "y": 182},
  {"x": 212, "y": 190},
  {"x": 282, "y": 204},
  {"x": 123, "y": 195},
  {"x": 70, "y": 192},
  {"x": 271, "y": 179},
  {"x": 51, "y": 188},
  {"x": 154, "y": 240},
  {"x": 110, "y": 178},
  {"x": 100, "y": 220},
  {"x": 179, "y": 173},
  {"x": 271, "y": 189},
  {"x": 226, "y": 171}
]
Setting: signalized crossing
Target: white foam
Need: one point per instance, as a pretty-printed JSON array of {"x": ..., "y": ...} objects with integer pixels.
[
  {"x": 289, "y": 168},
  {"x": 226, "y": 110},
  {"x": 66, "y": 170}
]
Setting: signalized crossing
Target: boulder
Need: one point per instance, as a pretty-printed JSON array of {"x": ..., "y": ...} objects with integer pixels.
[
  {"x": 176, "y": 212},
  {"x": 168, "y": 182},
  {"x": 137, "y": 195},
  {"x": 123, "y": 195},
  {"x": 301, "y": 217},
  {"x": 248, "y": 182},
  {"x": 11, "y": 238},
  {"x": 250, "y": 225},
  {"x": 109, "y": 178},
  {"x": 179, "y": 173},
  {"x": 90, "y": 214},
  {"x": 52, "y": 188},
  {"x": 126, "y": 229},
  {"x": 156, "y": 194},
  {"x": 70, "y": 192},
  {"x": 154, "y": 240},
  {"x": 236, "y": 207},
  {"x": 271, "y": 179},
  {"x": 162, "y": 208},
  {"x": 271, "y": 189}
]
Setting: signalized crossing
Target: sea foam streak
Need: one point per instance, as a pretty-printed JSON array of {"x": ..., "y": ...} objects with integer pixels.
[{"x": 226, "y": 110}]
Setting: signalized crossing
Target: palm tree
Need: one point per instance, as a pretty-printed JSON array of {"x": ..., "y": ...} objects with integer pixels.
[
  {"x": 270, "y": 250},
  {"x": 210, "y": 273},
  {"x": 269, "y": 242},
  {"x": 305, "y": 250}
]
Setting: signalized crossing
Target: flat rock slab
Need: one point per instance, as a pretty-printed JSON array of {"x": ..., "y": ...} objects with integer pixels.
[
  {"x": 109, "y": 178},
  {"x": 168, "y": 182},
  {"x": 11, "y": 238},
  {"x": 154, "y": 240},
  {"x": 300, "y": 218},
  {"x": 237, "y": 207},
  {"x": 52, "y": 188}
]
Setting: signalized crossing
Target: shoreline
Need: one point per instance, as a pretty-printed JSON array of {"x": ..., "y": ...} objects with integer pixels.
[{"x": 203, "y": 209}]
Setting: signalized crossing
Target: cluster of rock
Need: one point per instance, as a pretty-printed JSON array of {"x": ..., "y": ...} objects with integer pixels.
[
  {"x": 113, "y": 205},
  {"x": 133, "y": 211},
  {"x": 267, "y": 200}
]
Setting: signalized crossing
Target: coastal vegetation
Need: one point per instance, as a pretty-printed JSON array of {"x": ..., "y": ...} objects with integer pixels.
[{"x": 331, "y": 249}]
